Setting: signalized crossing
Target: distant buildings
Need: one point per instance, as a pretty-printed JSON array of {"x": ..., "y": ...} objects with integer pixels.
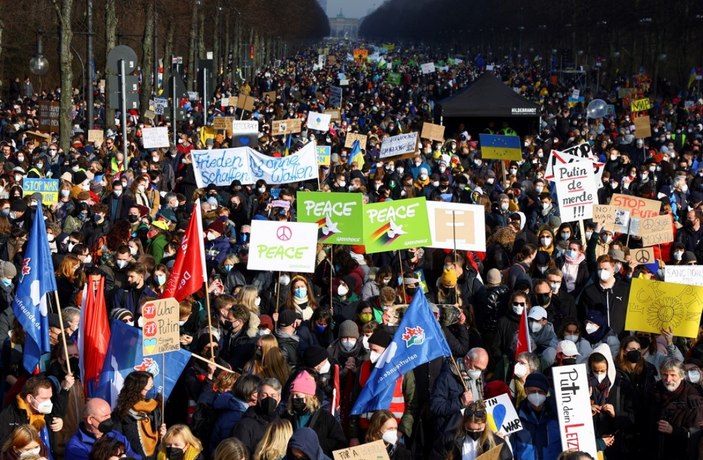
[{"x": 341, "y": 27}]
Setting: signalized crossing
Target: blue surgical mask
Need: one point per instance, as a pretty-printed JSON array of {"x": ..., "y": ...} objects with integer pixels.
[
  {"x": 161, "y": 280},
  {"x": 6, "y": 282},
  {"x": 320, "y": 327},
  {"x": 245, "y": 237},
  {"x": 227, "y": 268},
  {"x": 300, "y": 292},
  {"x": 571, "y": 253}
]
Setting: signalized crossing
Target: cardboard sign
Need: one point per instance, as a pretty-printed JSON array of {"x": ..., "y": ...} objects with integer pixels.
[
  {"x": 395, "y": 225},
  {"x": 287, "y": 246},
  {"x": 245, "y": 126},
  {"x": 270, "y": 94},
  {"x": 161, "y": 330},
  {"x": 641, "y": 105},
  {"x": 643, "y": 127},
  {"x": 493, "y": 454},
  {"x": 284, "y": 127},
  {"x": 233, "y": 101},
  {"x": 684, "y": 274},
  {"x": 95, "y": 135},
  {"x": 502, "y": 415},
  {"x": 638, "y": 207},
  {"x": 370, "y": 451},
  {"x": 49, "y": 114},
  {"x": 643, "y": 256},
  {"x": 432, "y": 132},
  {"x": 49, "y": 189},
  {"x": 656, "y": 230},
  {"x": 335, "y": 99},
  {"x": 351, "y": 137},
  {"x": 457, "y": 225},
  {"x": 331, "y": 60},
  {"x": 605, "y": 215},
  {"x": 336, "y": 215},
  {"x": 576, "y": 190},
  {"x": 324, "y": 155},
  {"x": 335, "y": 114},
  {"x": 360, "y": 55},
  {"x": 318, "y": 121},
  {"x": 223, "y": 123},
  {"x": 573, "y": 399},
  {"x": 657, "y": 305},
  {"x": 154, "y": 138},
  {"x": 246, "y": 102},
  {"x": 427, "y": 68},
  {"x": 402, "y": 144}
]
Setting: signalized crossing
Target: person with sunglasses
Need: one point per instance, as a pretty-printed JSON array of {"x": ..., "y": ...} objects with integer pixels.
[
  {"x": 469, "y": 436},
  {"x": 503, "y": 346}
]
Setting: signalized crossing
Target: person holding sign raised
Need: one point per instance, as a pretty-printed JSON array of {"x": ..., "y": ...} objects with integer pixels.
[{"x": 469, "y": 435}]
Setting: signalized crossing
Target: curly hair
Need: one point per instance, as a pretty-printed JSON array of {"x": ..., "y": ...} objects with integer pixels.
[
  {"x": 118, "y": 235},
  {"x": 131, "y": 392}
]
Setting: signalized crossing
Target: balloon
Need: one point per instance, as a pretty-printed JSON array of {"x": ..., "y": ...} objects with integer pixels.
[{"x": 597, "y": 108}]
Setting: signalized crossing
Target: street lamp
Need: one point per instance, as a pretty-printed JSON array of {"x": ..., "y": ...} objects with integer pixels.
[{"x": 38, "y": 65}]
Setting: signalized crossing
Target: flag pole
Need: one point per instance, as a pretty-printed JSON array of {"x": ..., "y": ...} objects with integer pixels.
[
  {"x": 63, "y": 334},
  {"x": 402, "y": 276},
  {"x": 163, "y": 387},
  {"x": 209, "y": 319},
  {"x": 456, "y": 285},
  {"x": 205, "y": 360},
  {"x": 458, "y": 371},
  {"x": 278, "y": 292},
  {"x": 331, "y": 272}
]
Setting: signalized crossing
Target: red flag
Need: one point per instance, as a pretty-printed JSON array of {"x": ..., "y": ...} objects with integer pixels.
[
  {"x": 523, "y": 335},
  {"x": 94, "y": 335},
  {"x": 188, "y": 272},
  {"x": 334, "y": 406}
]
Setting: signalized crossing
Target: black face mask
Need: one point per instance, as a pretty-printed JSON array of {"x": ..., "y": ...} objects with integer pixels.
[
  {"x": 474, "y": 434},
  {"x": 174, "y": 453},
  {"x": 633, "y": 356},
  {"x": 298, "y": 405},
  {"x": 73, "y": 363},
  {"x": 259, "y": 353},
  {"x": 133, "y": 219},
  {"x": 541, "y": 299},
  {"x": 106, "y": 426},
  {"x": 568, "y": 361},
  {"x": 267, "y": 406}
]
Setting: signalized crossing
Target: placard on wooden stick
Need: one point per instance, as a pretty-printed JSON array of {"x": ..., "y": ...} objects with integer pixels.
[
  {"x": 351, "y": 137},
  {"x": 289, "y": 126},
  {"x": 643, "y": 127},
  {"x": 370, "y": 451},
  {"x": 432, "y": 131},
  {"x": 161, "y": 330}
]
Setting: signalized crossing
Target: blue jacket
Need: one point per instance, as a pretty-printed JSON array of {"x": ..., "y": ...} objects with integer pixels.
[
  {"x": 445, "y": 400},
  {"x": 81, "y": 443},
  {"x": 229, "y": 413},
  {"x": 216, "y": 251},
  {"x": 539, "y": 438}
]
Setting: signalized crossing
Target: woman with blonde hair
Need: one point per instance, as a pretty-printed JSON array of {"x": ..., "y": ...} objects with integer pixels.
[
  {"x": 180, "y": 443},
  {"x": 471, "y": 436},
  {"x": 275, "y": 365},
  {"x": 231, "y": 449},
  {"x": 275, "y": 441},
  {"x": 249, "y": 297},
  {"x": 23, "y": 441},
  {"x": 264, "y": 344}
]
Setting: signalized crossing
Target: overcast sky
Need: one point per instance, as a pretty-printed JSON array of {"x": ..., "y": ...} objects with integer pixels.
[{"x": 351, "y": 8}]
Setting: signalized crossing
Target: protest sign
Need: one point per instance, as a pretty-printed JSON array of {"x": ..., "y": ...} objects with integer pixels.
[
  {"x": 638, "y": 207},
  {"x": 49, "y": 114},
  {"x": 160, "y": 105},
  {"x": 324, "y": 155},
  {"x": 370, "y": 451},
  {"x": 457, "y": 225},
  {"x": 427, "y": 68},
  {"x": 193, "y": 96},
  {"x": 395, "y": 225},
  {"x": 575, "y": 153},
  {"x": 223, "y": 123},
  {"x": 499, "y": 147},
  {"x": 154, "y": 138},
  {"x": 150, "y": 115},
  {"x": 245, "y": 126},
  {"x": 684, "y": 274},
  {"x": 361, "y": 54},
  {"x": 337, "y": 216},
  {"x": 605, "y": 215},
  {"x": 49, "y": 189},
  {"x": 576, "y": 190},
  {"x": 351, "y": 137},
  {"x": 289, "y": 126},
  {"x": 270, "y": 94},
  {"x": 393, "y": 78},
  {"x": 283, "y": 246},
  {"x": 621, "y": 220},
  {"x": 573, "y": 399},
  {"x": 319, "y": 121},
  {"x": 246, "y": 102},
  {"x": 655, "y": 230},
  {"x": 95, "y": 135},
  {"x": 432, "y": 132},
  {"x": 161, "y": 330},
  {"x": 335, "y": 99},
  {"x": 657, "y": 305},
  {"x": 335, "y": 114},
  {"x": 300, "y": 166},
  {"x": 502, "y": 415},
  {"x": 493, "y": 454},
  {"x": 643, "y": 256},
  {"x": 641, "y": 105},
  {"x": 233, "y": 101},
  {"x": 401, "y": 144},
  {"x": 643, "y": 127}
]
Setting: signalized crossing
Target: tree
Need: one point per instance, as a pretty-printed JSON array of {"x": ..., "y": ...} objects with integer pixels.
[
  {"x": 110, "y": 42},
  {"x": 64, "y": 9},
  {"x": 148, "y": 77}
]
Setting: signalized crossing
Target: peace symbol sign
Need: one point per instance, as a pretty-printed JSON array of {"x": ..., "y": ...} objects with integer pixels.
[
  {"x": 284, "y": 233},
  {"x": 642, "y": 256}
]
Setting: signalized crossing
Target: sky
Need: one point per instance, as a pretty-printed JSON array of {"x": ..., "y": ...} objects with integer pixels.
[{"x": 351, "y": 8}]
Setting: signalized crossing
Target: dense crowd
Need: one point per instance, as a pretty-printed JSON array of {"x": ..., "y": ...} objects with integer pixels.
[{"x": 266, "y": 388}]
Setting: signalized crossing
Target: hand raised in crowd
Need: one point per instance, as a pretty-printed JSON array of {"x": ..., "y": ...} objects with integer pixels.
[
  {"x": 668, "y": 335},
  {"x": 186, "y": 339},
  {"x": 56, "y": 424},
  {"x": 68, "y": 382}
]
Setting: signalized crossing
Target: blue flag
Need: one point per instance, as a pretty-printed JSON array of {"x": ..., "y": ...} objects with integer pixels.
[
  {"x": 124, "y": 355},
  {"x": 31, "y": 304},
  {"x": 419, "y": 339}
]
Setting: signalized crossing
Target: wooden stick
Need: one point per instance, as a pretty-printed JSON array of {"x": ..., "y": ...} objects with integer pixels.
[
  {"x": 63, "y": 333},
  {"x": 402, "y": 276},
  {"x": 163, "y": 387},
  {"x": 456, "y": 285},
  {"x": 278, "y": 292},
  {"x": 582, "y": 230},
  {"x": 209, "y": 319},
  {"x": 205, "y": 360},
  {"x": 331, "y": 273}
]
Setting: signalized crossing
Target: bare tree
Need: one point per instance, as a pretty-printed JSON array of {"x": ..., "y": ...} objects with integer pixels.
[
  {"x": 110, "y": 42},
  {"x": 64, "y": 9},
  {"x": 147, "y": 57}
]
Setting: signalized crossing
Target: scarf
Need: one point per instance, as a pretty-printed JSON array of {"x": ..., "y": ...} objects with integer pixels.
[
  {"x": 599, "y": 391},
  {"x": 36, "y": 420},
  {"x": 148, "y": 436}
]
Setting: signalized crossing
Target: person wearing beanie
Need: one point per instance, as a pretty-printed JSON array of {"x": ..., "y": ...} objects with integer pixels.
[
  {"x": 539, "y": 437},
  {"x": 217, "y": 245},
  {"x": 447, "y": 290},
  {"x": 305, "y": 411},
  {"x": 348, "y": 350},
  {"x": 122, "y": 314}
]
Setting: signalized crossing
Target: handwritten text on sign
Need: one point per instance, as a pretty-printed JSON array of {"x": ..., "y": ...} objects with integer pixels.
[
  {"x": 640, "y": 105},
  {"x": 161, "y": 330},
  {"x": 398, "y": 145},
  {"x": 574, "y": 409},
  {"x": 638, "y": 207},
  {"x": 503, "y": 414},
  {"x": 576, "y": 190}
]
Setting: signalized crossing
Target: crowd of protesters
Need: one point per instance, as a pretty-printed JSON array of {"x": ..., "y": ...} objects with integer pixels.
[{"x": 278, "y": 338}]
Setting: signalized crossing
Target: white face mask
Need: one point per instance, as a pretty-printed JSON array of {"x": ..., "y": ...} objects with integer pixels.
[
  {"x": 71, "y": 246},
  {"x": 693, "y": 375},
  {"x": 588, "y": 235},
  {"x": 132, "y": 250},
  {"x": 50, "y": 237},
  {"x": 325, "y": 367},
  {"x": 474, "y": 374},
  {"x": 257, "y": 302},
  {"x": 536, "y": 399},
  {"x": 545, "y": 241},
  {"x": 604, "y": 275},
  {"x": 348, "y": 344},
  {"x": 44, "y": 407},
  {"x": 29, "y": 453},
  {"x": 342, "y": 290},
  {"x": 573, "y": 338},
  {"x": 211, "y": 236},
  {"x": 390, "y": 437},
  {"x": 591, "y": 328},
  {"x": 555, "y": 287},
  {"x": 373, "y": 356},
  {"x": 517, "y": 309},
  {"x": 520, "y": 370},
  {"x": 365, "y": 342},
  {"x": 535, "y": 326},
  {"x": 88, "y": 259},
  {"x": 600, "y": 376}
]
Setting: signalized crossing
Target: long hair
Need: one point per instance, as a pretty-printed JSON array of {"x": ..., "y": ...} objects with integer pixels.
[
  {"x": 184, "y": 432},
  {"x": 247, "y": 297},
  {"x": 485, "y": 440},
  {"x": 131, "y": 392},
  {"x": 275, "y": 365},
  {"x": 377, "y": 420},
  {"x": 118, "y": 235},
  {"x": 311, "y": 403},
  {"x": 105, "y": 448},
  {"x": 290, "y": 304},
  {"x": 275, "y": 440},
  {"x": 231, "y": 448},
  {"x": 67, "y": 268},
  {"x": 21, "y": 437},
  {"x": 622, "y": 363}
]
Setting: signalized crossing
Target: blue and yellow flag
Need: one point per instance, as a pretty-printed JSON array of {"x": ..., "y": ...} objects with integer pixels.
[{"x": 497, "y": 147}]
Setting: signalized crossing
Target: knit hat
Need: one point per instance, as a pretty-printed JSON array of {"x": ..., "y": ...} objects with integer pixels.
[
  {"x": 537, "y": 380},
  {"x": 688, "y": 257},
  {"x": 266, "y": 322},
  {"x": 7, "y": 270},
  {"x": 493, "y": 277},
  {"x": 120, "y": 314},
  {"x": 79, "y": 177},
  {"x": 381, "y": 337},
  {"x": 348, "y": 329},
  {"x": 286, "y": 318},
  {"x": 304, "y": 383},
  {"x": 314, "y": 355},
  {"x": 217, "y": 226},
  {"x": 448, "y": 278}
]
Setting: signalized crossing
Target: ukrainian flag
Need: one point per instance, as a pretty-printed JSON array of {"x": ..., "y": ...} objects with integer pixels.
[{"x": 499, "y": 147}]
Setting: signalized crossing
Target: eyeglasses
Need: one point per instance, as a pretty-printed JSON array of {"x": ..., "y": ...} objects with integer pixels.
[{"x": 475, "y": 413}]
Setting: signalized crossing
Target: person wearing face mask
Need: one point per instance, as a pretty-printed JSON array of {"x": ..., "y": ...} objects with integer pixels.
[
  {"x": 597, "y": 331},
  {"x": 33, "y": 406},
  {"x": 500, "y": 210},
  {"x": 542, "y": 332},
  {"x": 217, "y": 245},
  {"x": 558, "y": 310},
  {"x": 231, "y": 405},
  {"x": 381, "y": 278},
  {"x": 252, "y": 426},
  {"x": 24, "y": 442},
  {"x": 525, "y": 364},
  {"x": 539, "y": 438},
  {"x": 694, "y": 376},
  {"x": 503, "y": 341},
  {"x": 609, "y": 295},
  {"x": 96, "y": 422},
  {"x": 305, "y": 411},
  {"x": 574, "y": 266},
  {"x": 301, "y": 298},
  {"x": 8, "y": 272},
  {"x": 288, "y": 340},
  {"x": 158, "y": 239},
  {"x": 468, "y": 435},
  {"x": 348, "y": 350},
  {"x": 179, "y": 443},
  {"x": 692, "y": 232},
  {"x": 344, "y": 299},
  {"x": 117, "y": 202},
  {"x": 402, "y": 405},
  {"x": 383, "y": 426}
]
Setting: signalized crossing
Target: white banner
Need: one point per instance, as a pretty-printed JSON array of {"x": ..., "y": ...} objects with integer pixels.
[
  {"x": 245, "y": 126},
  {"x": 222, "y": 166},
  {"x": 427, "y": 68},
  {"x": 282, "y": 246},
  {"x": 398, "y": 145},
  {"x": 457, "y": 225},
  {"x": 684, "y": 274},
  {"x": 573, "y": 400},
  {"x": 575, "y": 153},
  {"x": 319, "y": 121},
  {"x": 576, "y": 190},
  {"x": 154, "y": 138}
]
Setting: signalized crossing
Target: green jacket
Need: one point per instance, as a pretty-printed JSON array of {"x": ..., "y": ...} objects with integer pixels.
[{"x": 157, "y": 246}]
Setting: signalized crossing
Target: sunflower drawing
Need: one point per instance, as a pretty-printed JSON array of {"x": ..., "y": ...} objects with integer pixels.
[{"x": 665, "y": 312}]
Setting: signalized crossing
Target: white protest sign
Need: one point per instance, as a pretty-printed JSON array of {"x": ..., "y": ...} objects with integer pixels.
[
  {"x": 576, "y": 190},
  {"x": 502, "y": 415},
  {"x": 428, "y": 67},
  {"x": 154, "y": 138},
  {"x": 287, "y": 246},
  {"x": 571, "y": 154},
  {"x": 457, "y": 225},
  {"x": 573, "y": 399},
  {"x": 319, "y": 121},
  {"x": 300, "y": 166},
  {"x": 398, "y": 145},
  {"x": 245, "y": 126},
  {"x": 684, "y": 274}
]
